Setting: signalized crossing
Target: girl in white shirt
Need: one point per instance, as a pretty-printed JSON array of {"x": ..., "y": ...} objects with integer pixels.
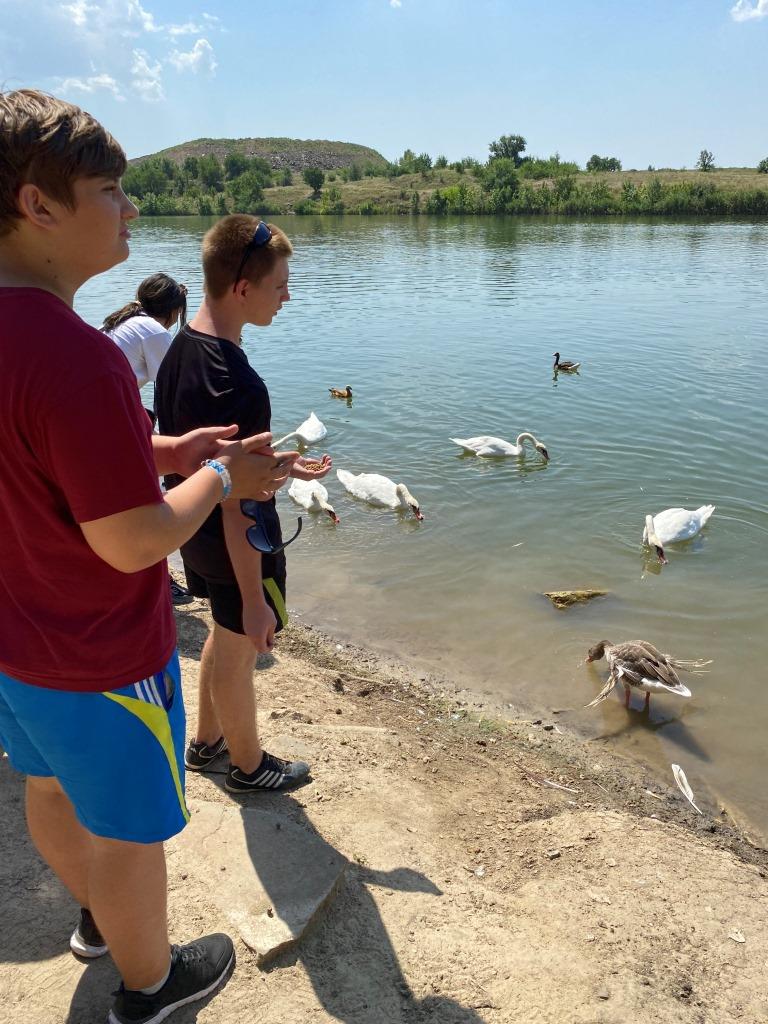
[{"x": 141, "y": 329}]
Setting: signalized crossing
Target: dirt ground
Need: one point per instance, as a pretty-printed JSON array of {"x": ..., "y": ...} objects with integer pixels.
[{"x": 475, "y": 891}]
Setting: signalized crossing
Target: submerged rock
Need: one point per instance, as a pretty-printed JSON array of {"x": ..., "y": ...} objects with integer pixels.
[{"x": 565, "y": 598}]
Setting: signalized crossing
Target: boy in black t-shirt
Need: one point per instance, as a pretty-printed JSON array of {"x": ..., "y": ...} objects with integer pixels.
[{"x": 206, "y": 380}]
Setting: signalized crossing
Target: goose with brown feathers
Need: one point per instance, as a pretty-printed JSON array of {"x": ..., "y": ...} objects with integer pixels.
[
  {"x": 638, "y": 665},
  {"x": 566, "y": 365}
]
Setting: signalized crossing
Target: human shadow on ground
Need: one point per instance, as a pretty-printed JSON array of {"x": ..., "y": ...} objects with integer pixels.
[{"x": 348, "y": 955}]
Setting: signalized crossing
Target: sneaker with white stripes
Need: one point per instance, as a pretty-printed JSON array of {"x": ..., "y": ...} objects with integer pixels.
[
  {"x": 272, "y": 773},
  {"x": 200, "y": 755}
]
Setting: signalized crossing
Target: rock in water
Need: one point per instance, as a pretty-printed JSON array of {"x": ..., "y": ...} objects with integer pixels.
[{"x": 566, "y": 598}]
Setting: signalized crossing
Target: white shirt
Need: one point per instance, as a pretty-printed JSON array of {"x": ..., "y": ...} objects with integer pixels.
[{"x": 144, "y": 342}]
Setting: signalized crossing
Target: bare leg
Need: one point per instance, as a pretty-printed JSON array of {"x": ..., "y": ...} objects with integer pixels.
[
  {"x": 123, "y": 884},
  {"x": 627, "y": 695},
  {"x": 232, "y": 659},
  {"x": 648, "y": 702},
  {"x": 208, "y": 725},
  {"x": 127, "y": 886},
  {"x": 62, "y": 842}
]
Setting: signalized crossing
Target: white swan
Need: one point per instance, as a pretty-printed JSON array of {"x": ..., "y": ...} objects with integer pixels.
[
  {"x": 487, "y": 447},
  {"x": 309, "y": 432},
  {"x": 312, "y": 496},
  {"x": 379, "y": 490},
  {"x": 674, "y": 525}
]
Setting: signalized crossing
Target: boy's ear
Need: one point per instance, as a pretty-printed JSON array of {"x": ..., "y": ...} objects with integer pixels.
[{"x": 36, "y": 207}]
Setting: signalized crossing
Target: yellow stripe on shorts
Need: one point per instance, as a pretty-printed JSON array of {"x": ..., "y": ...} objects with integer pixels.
[
  {"x": 156, "y": 720},
  {"x": 277, "y": 599}
]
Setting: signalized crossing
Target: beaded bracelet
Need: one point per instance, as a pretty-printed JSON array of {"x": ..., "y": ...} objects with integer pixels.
[{"x": 223, "y": 472}]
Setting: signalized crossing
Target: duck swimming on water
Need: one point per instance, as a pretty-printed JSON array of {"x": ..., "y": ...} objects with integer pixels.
[
  {"x": 566, "y": 365},
  {"x": 341, "y": 392}
]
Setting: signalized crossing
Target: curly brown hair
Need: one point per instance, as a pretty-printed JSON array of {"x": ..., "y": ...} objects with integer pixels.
[{"x": 47, "y": 142}]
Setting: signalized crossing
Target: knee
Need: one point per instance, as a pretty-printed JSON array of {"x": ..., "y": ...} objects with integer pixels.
[{"x": 44, "y": 786}]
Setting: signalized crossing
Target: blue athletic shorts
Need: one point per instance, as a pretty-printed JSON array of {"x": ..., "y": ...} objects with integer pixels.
[{"x": 118, "y": 755}]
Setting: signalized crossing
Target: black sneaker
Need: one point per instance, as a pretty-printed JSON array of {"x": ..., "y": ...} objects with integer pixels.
[
  {"x": 178, "y": 594},
  {"x": 86, "y": 939},
  {"x": 196, "y": 970},
  {"x": 272, "y": 773},
  {"x": 200, "y": 755}
]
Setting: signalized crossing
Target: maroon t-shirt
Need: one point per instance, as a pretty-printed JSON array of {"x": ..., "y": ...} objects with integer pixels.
[{"x": 75, "y": 445}]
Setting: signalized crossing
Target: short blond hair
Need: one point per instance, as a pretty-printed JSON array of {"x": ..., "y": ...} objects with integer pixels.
[
  {"x": 223, "y": 248},
  {"x": 47, "y": 142}
]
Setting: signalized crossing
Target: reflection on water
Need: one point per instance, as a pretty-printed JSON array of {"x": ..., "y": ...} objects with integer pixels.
[{"x": 447, "y": 328}]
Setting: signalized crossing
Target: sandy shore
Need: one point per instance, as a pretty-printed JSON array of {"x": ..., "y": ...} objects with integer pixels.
[{"x": 499, "y": 871}]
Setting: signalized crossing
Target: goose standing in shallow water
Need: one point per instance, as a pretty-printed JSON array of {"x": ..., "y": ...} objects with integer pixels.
[
  {"x": 638, "y": 665},
  {"x": 490, "y": 447},
  {"x": 674, "y": 525},
  {"x": 566, "y": 364},
  {"x": 379, "y": 490},
  {"x": 312, "y": 496}
]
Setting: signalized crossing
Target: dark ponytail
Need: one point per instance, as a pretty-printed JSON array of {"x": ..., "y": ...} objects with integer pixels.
[{"x": 158, "y": 296}]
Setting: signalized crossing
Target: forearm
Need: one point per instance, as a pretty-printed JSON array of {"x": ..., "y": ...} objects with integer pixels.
[
  {"x": 246, "y": 561},
  {"x": 133, "y": 540},
  {"x": 163, "y": 449}
]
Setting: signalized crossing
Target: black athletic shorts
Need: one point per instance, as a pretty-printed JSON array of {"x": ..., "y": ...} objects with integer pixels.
[{"x": 227, "y": 602}]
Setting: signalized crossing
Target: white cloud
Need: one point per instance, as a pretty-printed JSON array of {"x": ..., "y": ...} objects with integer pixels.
[
  {"x": 395, "y": 3},
  {"x": 79, "y": 11},
  {"x": 147, "y": 77},
  {"x": 136, "y": 13},
  {"x": 744, "y": 11},
  {"x": 92, "y": 84},
  {"x": 189, "y": 28},
  {"x": 200, "y": 57}
]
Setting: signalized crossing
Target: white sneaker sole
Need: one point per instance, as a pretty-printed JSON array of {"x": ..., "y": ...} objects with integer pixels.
[
  {"x": 81, "y": 948},
  {"x": 168, "y": 1010}
]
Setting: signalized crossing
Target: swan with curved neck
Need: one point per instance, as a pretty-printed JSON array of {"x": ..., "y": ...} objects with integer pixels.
[
  {"x": 312, "y": 496},
  {"x": 674, "y": 525},
  {"x": 488, "y": 447},
  {"x": 379, "y": 490}
]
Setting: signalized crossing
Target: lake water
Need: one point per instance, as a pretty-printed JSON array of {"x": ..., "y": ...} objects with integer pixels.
[{"x": 446, "y": 328}]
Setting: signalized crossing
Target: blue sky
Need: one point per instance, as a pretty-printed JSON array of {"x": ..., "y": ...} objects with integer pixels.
[{"x": 651, "y": 82}]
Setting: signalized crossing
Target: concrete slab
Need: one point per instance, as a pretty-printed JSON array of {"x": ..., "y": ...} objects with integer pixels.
[{"x": 269, "y": 876}]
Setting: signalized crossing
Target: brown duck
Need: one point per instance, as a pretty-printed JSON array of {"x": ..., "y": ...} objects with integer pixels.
[
  {"x": 341, "y": 392},
  {"x": 638, "y": 665},
  {"x": 566, "y": 365}
]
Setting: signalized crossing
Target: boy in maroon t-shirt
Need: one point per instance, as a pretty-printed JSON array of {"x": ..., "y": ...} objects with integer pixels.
[{"x": 90, "y": 702}]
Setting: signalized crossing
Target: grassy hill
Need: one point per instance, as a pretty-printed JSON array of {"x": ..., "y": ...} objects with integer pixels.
[{"x": 281, "y": 154}]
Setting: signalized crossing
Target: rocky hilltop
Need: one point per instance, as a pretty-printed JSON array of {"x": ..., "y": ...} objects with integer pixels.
[{"x": 296, "y": 154}]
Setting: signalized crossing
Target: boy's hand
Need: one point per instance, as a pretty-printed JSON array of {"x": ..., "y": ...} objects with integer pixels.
[
  {"x": 251, "y": 469},
  {"x": 259, "y": 624},
  {"x": 191, "y": 449},
  {"x": 311, "y": 469}
]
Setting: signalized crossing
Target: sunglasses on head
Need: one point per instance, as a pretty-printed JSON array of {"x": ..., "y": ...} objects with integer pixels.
[
  {"x": 261, "y": 237},
  {"x": 258, "y": 534}
]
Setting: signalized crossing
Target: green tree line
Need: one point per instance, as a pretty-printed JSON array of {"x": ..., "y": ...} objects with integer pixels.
[{"x": 503, "y": 184}]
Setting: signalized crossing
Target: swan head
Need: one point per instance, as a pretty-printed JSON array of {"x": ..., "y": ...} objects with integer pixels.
[
  {"x": 540, "y": 448},
  {"x": 407, "y": 500},
  {"x": 653, "y": 540},
  {"x": 322, "y": 505},
  {"x": 597, "y": 652}
]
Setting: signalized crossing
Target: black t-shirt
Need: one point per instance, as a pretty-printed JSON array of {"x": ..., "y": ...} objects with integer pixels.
[{"x": 205, "y": 381}]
